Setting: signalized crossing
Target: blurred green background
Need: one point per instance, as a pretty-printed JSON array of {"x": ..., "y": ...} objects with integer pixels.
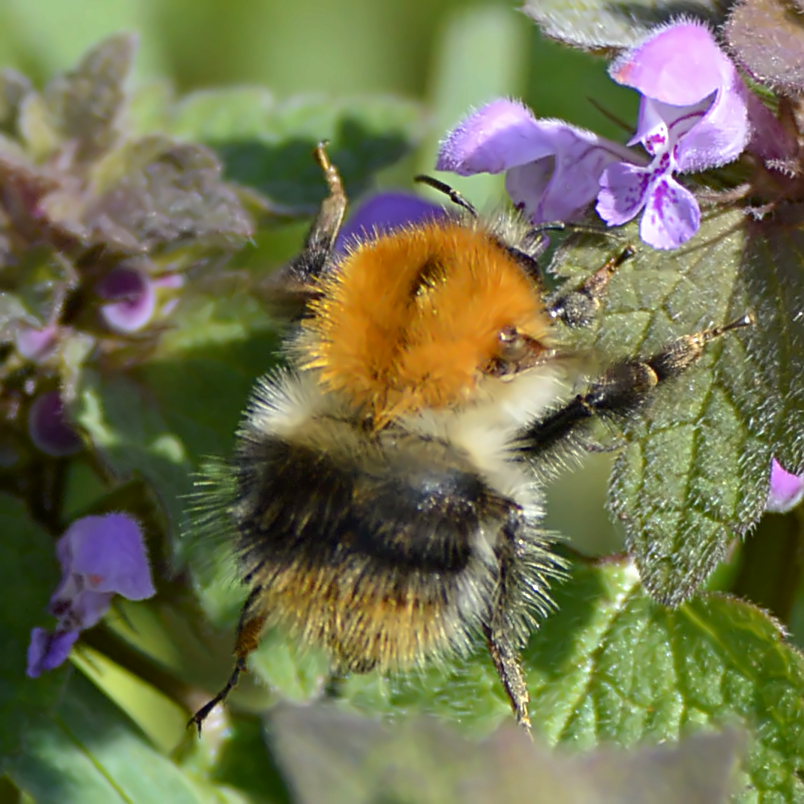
[
  {"x": 307, "y": 46},
  {"x": 448, "y": 55}
]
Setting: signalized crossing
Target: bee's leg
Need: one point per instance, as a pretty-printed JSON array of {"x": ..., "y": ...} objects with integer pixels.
[
  {"x": 503, "y": 641},
  {"x": 578, "y": 307},
  {"x": 249, "y": 631},
  {"x": 623, "y": 387},
  {"x": 327, "y": 224},
  {"x": 506, "y": 660},
  {"x": 291, "y": 289}
]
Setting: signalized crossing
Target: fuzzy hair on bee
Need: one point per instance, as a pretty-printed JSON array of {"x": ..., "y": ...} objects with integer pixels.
[{"x": 387, "y": 487}]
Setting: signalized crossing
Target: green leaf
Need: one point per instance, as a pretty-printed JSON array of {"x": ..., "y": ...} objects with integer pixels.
[
  {"x": 157, "y": 422},
  {"x": 296, "y": 673},
  {"x": 245, "y": 764},
  {"x": 161, "y": 719},
  {"x": 774, "y": 271},
  {"x": 223, "y": 343},
  {"x": 612, "y": 666},
  {"x": 26, "y": 585},
  {"x": 222, "y": 115},
  {"x": 331, "y": 756},
  {"x": 596, "y": 24},
  {"x": 694, "y": 469},
  {"x": 88, "y": 752},
  {"x": 268, "y": 145},
  {"x": 130, "y": 433}
]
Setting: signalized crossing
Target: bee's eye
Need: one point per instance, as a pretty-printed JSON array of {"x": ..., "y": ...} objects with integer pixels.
[
  {"x": 514, "y": 346},
  {"x": 516, "y": 351}
]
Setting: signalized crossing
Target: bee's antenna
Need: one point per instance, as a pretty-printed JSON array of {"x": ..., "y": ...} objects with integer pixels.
[{"x": 448, "y": 191}]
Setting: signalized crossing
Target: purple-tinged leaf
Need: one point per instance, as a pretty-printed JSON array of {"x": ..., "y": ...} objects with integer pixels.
[
  {"x": 767, "y": 38},
  {"x": 85, "y": 105},
  {"x": 158, "y": 192}
]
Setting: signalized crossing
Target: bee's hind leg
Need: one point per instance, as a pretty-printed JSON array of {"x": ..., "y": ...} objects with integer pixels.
[{"x": 249, "y": 631}]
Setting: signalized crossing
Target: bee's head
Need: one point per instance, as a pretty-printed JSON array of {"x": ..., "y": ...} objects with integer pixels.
[{"x": 425, "y": 318}]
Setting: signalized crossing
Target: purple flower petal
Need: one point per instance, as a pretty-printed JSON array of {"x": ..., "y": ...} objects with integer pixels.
[
  {"x": 553, "y": 167},
  {"x": 82, "y": 609},
  {"x": 623, "y": 189},
  {"x": 672, "y": 215},
  {"x": 500, "y": 135},
  {"x": 580, "y": 158},
  {"x": 680, "y": 64},
  {"x": 100, "y": 556},
  {"x": 49, "y": 428},
  {"x": 786, "y": 489},
  {"x": 662, "y": 125},
  {"x": 722, "y": 133},
  {"x": 694, "y": 100},
  {"x": 108, "y": 552},
  {"x": 133, "y": 299},
  {"x": 384, "y": 213},
  {"x": 48, "y": 650},
  {"x": 527, "y": 185}
]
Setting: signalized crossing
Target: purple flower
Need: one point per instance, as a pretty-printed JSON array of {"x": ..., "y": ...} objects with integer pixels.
[
  {"x": 786, "y": 489},
  {"x": 694, "y": 115},
  {"x": 384, "y": 213},
  {"x": 132, "y": 299},
  {"x": 49, "y": 428},
  {"x": 100, "y": 556},
  {"x": 553, "y": 168}
]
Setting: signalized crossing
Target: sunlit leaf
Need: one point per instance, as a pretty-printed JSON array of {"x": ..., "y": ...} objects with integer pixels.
[
  {"x": 693, "y": 469},
  {"x": 88, "y": 751},
  {"x": 14, "y": 87}
]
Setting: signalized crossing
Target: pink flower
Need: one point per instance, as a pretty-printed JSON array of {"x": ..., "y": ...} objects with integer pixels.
[
  {"x": 131, "y": 299},
  {"x": 786, "y": 489}
]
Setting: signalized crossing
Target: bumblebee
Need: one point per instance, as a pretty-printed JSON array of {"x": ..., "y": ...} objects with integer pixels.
[{"x": 388, "y": 485}]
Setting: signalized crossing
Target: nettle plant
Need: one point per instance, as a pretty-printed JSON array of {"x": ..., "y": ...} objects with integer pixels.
[{"x": 133, "y": 325}]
